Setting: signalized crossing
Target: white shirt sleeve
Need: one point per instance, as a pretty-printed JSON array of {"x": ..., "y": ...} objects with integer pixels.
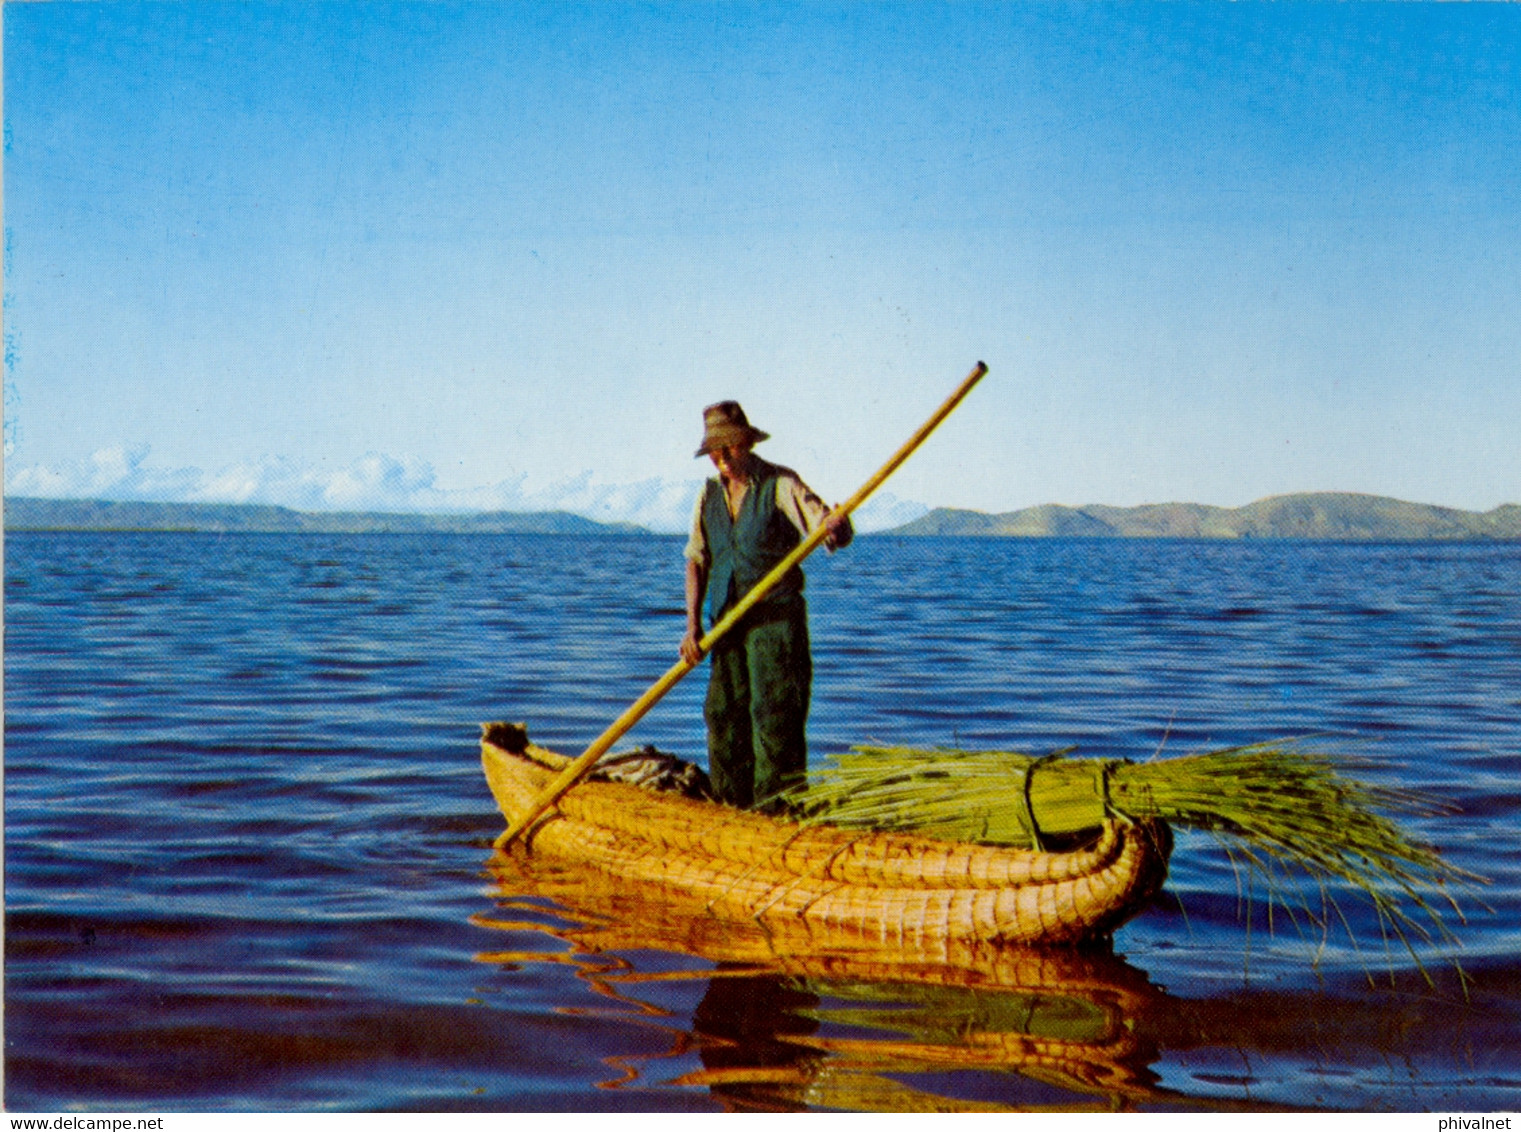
[
  {"x": 697, "y": 542},
  {"x": 804, "y": 510}
]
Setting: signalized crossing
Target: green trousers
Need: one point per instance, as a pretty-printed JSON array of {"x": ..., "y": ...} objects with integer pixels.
[{"x": 757, "y": 706}]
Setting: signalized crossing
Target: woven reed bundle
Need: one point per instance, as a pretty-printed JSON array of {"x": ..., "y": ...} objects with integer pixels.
[
  {"x": 1291, "y": 816},
  {"x": 883, "y": 887}
]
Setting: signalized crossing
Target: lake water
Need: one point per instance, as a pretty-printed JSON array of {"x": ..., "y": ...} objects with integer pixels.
[{"x": 247, "y": 832}]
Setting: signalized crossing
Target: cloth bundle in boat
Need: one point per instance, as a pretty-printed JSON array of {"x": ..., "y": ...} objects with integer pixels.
[
  {"x": 646, "y": 767},
  {"x": 656, "y": 771}
]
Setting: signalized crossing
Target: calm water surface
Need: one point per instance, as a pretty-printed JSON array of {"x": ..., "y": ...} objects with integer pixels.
[{"x": 247, "y": 831}]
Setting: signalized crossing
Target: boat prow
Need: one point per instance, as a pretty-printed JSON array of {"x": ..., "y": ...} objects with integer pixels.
[{"x": 838, "y": 887}]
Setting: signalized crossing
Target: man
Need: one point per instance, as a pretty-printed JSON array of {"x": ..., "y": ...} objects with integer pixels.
[{"x": 748, "y": 518}]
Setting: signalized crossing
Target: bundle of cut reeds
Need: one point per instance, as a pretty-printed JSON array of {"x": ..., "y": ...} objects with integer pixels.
[{"x": 1280, "y": 807}]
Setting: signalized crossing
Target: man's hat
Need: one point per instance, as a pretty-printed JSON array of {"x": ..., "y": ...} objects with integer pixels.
[{"x": 724, "y": 425}]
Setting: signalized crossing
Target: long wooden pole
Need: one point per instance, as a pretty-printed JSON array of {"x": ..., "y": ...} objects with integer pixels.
[{"x": 576, "y": 769}]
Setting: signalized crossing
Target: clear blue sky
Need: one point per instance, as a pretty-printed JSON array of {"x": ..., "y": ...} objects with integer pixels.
[{"x": 436, "y": 254}]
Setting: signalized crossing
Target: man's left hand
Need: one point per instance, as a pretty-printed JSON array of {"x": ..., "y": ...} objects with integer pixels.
[{"x": 840, "y": 532}]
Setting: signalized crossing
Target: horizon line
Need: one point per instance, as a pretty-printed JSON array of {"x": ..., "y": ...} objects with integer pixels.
[{"x": 9, "y": 497}]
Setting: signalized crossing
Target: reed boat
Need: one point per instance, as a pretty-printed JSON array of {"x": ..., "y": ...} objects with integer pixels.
[
  {"x": 822, "y": 886},
  {"x": 1075, "y": 1018}
]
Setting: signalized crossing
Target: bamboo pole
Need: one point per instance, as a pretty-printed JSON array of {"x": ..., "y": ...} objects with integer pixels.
[{"x": 578, "y": 768}]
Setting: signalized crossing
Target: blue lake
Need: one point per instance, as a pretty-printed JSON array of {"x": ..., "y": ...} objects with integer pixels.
[{"x": 247, "y": 830}]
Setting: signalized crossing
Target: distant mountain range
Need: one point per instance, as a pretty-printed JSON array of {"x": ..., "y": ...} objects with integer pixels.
[
  {"x": 30, "y": 514},
  {"x": 1320, "y": 515},
  {"x": 1326, "y": 515}
]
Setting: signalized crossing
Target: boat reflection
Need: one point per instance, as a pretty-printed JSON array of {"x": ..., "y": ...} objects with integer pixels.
[
  {"x": 876, "y": 1046},
  {"x": 819, "y": 1020},
  {"x": 751, "y": 1033},
  {"x": 805, "y": 1017}
]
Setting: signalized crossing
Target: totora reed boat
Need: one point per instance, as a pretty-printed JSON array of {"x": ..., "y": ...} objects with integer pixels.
[{"x": 841, "y": 888}]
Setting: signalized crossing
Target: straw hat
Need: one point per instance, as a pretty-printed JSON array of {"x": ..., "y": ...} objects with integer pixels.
[{"x": 724, "y": 425}]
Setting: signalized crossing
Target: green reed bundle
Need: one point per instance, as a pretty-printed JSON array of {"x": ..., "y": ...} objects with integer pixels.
[{"x": 1279, "y": 807}]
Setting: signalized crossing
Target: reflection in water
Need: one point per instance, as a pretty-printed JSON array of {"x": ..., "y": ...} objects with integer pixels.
[
  {"x": 838, "y": 1022},
  {"x": 1072, "y": 1050},
  {"x": 808, "y": 1020},
  {"x": 747, "y": 1031}
]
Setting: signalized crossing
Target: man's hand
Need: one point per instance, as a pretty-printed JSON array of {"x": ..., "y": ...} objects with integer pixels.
[
  {"x": 697, "y": 585},
  {"x": 691, "y": 652},
  {"x": 840, "y": 532}
]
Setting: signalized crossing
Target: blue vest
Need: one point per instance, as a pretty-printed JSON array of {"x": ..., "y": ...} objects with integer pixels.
[{"x": 745, "y": 548}]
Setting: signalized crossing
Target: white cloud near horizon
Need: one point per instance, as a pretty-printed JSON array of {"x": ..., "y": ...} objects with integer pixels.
[{"x": 380, "y": 482}]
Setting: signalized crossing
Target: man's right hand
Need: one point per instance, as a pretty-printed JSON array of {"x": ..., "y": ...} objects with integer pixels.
[
  {"x": 696, "y": 586},
  {"x": 691, "y": 652}
]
